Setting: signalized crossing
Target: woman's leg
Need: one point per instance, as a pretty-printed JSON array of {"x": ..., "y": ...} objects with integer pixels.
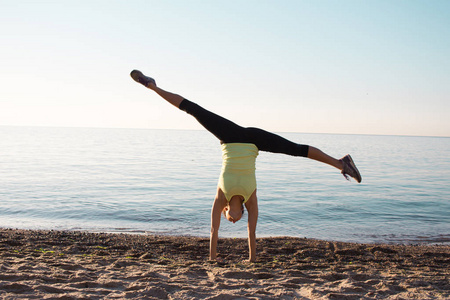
[
  {"x": 270, "y": 142},
  {"x": 172, "y": 98},
  {"x": 150, "y": 83},
  {"x": 225, "y": 130},
  {"x": 318, "y": 155}
]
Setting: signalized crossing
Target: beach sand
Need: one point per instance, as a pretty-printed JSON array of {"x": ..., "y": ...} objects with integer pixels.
[{"x": 81, "y": 265}]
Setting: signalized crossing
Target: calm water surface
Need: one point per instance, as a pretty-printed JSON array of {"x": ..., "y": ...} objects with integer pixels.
[{"x": 164, "y": 182}]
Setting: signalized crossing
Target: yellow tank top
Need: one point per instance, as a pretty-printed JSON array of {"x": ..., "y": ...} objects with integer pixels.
[{"x": 238, "y": 170}]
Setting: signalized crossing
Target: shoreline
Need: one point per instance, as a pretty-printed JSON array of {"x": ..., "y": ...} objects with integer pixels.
[{"x": 37, "y": 264}]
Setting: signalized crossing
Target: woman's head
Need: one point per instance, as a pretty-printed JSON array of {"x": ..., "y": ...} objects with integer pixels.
[{"x": 235, "y": 209}]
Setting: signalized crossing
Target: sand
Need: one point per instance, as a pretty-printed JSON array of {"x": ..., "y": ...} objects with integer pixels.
[{"x": 81, "y": 265}]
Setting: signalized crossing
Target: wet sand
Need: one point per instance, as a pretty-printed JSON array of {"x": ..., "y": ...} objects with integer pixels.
[{"x": 81, "y": 265}]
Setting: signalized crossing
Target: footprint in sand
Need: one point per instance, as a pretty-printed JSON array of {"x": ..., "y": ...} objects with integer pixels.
[
  {"x": 238, "y": 275},
  {"x": 16, "y": 288},
  {"x": 333, "y": 276},
  {"x": 50, "y": 289}
]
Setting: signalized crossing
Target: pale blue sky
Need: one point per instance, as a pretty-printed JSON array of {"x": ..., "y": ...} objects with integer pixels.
[{"x": 370, "y": 67}]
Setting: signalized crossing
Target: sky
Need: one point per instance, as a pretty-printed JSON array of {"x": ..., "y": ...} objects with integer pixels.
[{"x": 353, "y": 67}]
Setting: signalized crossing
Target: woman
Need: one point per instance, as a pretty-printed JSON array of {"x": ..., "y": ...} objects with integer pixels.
[{"x": 240, "y": 146}]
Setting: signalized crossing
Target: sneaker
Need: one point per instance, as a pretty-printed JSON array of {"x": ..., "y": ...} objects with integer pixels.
[
  {"x": 350, "y": 169},
  {"x": 141, "y": 78}
]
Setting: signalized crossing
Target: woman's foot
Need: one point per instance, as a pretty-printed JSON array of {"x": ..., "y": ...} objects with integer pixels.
[
  {"x": 349, "y": 169},
  {"x": 142, "y": 79}
]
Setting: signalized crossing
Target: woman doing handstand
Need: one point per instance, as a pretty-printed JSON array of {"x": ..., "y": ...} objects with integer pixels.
[{"x": 240, "y": 146}]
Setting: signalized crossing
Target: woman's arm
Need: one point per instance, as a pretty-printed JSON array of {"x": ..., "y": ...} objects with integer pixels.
[
  {"x": 216, "y": 212},
  {"x": 252, "y": 209}
]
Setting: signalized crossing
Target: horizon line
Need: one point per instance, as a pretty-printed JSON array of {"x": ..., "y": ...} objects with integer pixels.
[{"x": 145, "y": 128}]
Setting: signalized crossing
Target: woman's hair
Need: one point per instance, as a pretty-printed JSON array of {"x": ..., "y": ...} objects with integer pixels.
[{"x": 225, "y": 212}]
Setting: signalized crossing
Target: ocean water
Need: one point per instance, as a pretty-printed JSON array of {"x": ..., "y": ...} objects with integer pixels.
[{"x": 164, "y": 182}]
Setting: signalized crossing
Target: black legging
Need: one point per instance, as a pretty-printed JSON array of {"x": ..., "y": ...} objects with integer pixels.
[{"x": 229, "y": 132}]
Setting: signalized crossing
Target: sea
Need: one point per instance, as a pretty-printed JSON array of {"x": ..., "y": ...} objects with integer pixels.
[{"x": 144, "y": 181}]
